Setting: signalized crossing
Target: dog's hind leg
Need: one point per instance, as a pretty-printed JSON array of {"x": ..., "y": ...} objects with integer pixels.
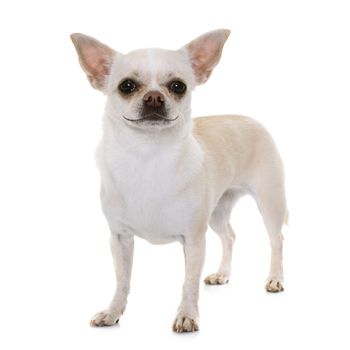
[
  {"x": 269, "y": 194},
  {"x": 220, "y": 224}
]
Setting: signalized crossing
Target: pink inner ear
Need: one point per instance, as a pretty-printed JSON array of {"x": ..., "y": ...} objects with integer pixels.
[
  {"x": 94, "y": 57},
  {"x": 95, "y": 60},
  {"x": 203, "y": 58},
  {"x": 205, "y": 53},
  {"x": 203, "y": 65}
]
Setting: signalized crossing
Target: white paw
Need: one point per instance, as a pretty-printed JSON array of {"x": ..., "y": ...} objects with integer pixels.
[
  {"x": 105, "y": 318},
  {"x": 274, "y": 285},
  {"x": 185, "y": 324},
  {"x": 216, "y": 278}
]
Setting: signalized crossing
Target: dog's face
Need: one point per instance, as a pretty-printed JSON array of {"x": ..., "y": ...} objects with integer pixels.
[{"x": 150, "y": 88}]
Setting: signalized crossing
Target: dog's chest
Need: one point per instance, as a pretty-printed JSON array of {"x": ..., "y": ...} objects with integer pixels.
[{"x": 149, "y": 196}]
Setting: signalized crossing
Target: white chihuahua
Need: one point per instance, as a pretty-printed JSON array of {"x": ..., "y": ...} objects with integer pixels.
[{"x": 165, "y": 177}]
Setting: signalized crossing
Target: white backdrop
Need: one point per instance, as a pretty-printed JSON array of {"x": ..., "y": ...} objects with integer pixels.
[{"x": 286, "y": 64}]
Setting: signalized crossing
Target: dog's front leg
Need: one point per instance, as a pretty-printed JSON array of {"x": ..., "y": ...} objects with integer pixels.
[
  {"x": 122, "y": 247},
  {"x": 187, "y": 316}
]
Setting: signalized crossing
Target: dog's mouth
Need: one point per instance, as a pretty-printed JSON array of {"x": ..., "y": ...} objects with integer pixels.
[{"x": 152, "y": 117}]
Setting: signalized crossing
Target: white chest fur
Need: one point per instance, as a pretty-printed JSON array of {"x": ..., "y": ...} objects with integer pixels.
[{"x": 148, "y": 186}]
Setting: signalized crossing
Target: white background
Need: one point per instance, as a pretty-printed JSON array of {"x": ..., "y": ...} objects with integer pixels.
[{"x": 286, "y": 63}]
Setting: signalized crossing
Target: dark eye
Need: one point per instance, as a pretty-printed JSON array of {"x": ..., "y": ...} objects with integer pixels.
[
  {"x": 127, "y": 86},
  {"x": 177, "y": 87}
]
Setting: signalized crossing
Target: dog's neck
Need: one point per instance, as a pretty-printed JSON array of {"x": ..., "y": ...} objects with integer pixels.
[{"x": 162, "y": 154}]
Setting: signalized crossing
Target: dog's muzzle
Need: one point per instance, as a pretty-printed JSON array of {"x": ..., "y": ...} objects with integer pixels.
[{"x": 153, "y": 109}]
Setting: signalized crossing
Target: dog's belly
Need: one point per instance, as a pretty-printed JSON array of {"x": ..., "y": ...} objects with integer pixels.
[{"x": 158, "y": 219}]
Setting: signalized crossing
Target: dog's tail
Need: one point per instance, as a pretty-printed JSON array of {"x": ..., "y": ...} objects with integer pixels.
[{"x": 286, "y": 218}]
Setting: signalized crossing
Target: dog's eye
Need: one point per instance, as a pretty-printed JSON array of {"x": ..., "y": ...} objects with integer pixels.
[
  {"x": 127, "y": 86},
  {"x": 177, "y": 87}
]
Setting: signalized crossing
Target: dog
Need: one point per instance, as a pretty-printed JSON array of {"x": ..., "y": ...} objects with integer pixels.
[{"x": 166, "y": 177}]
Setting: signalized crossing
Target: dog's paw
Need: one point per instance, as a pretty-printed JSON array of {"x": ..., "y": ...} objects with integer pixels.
[
  {"x": 185, "y": 324},
  {"x": 274, "y": 286},
  {"x": 216, "y": 278},
  {"x": 104, "y": 318}
]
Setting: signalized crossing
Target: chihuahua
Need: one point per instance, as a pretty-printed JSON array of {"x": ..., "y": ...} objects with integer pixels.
[{"x": 165, "y": 176}]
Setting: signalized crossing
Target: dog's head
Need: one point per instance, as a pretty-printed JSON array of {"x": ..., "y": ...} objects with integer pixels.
[{"x": 150, "y": 88}]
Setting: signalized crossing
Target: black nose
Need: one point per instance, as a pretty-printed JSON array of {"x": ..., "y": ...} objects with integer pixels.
[{"x": 154, "y": 99}]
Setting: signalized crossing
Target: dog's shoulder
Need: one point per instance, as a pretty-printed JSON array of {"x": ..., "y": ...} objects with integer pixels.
[
  {"x": 221, "y": 128},
  {"x": 215, "y": 122}
]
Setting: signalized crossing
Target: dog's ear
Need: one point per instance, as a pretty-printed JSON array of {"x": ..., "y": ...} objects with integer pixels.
[
  {"x": 95, "y": 58},
  {"x": 205, "y": 52}
]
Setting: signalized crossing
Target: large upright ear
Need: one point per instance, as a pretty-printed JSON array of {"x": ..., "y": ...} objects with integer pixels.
[
  {"x": 205, "y": 53},
  {"x": 95, "y": 58}
]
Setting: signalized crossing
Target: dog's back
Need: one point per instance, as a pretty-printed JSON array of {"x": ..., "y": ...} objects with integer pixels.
[{"x": 240, "y": 147}]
